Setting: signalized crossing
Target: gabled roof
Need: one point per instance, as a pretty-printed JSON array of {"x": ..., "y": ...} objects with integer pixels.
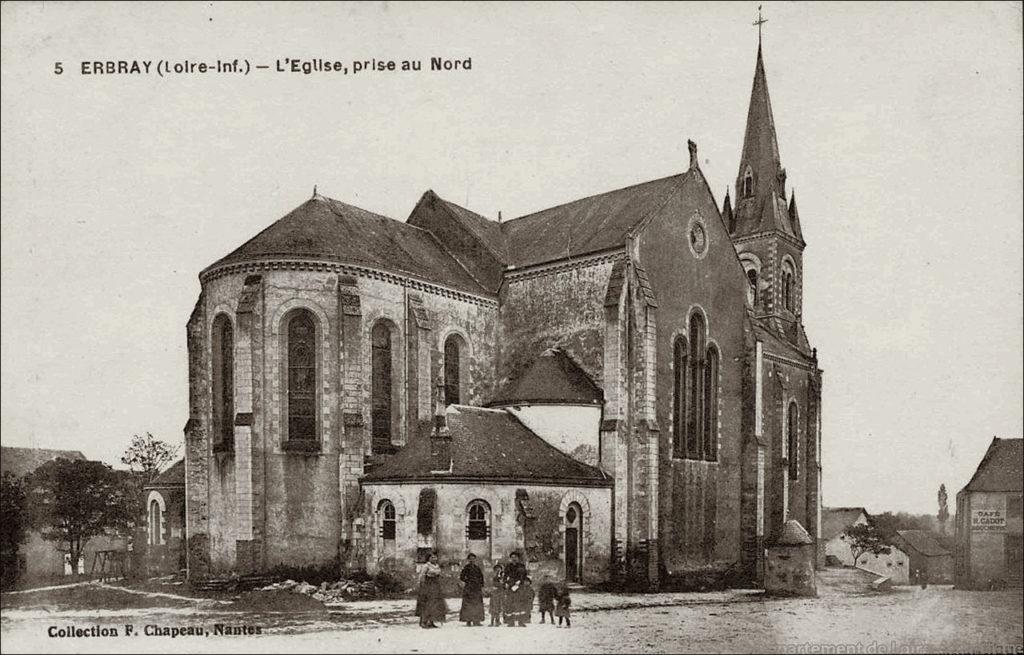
[
  {"x": 488, "y": 445},
  {"x": 1000, "y": 469},
  {"x": 553, "y": 378},
  {"x": 487, "y": 231},
  {"x": 22, "y": 461},
  {"x": 588, "y": 225},
  {"x": 923, "y": 542},
  {"x": 325, "y": 229},
  {"x": 793, "y": 534},
  {"x": 476, "y": 242},
  {"x": 835, "y": 520},
  {"x": 173, "y": 476},
  {"x": 782, "y": 338}
]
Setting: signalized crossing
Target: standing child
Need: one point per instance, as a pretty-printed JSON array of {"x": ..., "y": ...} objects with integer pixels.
[
  {"x": 497, "y": 594},
  {"x": 562, "y": 606},
  {"x": 546, "y": 599},
  {"x": 526, "y": 612}
]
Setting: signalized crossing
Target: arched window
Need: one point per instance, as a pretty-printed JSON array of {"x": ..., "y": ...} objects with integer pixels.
[
  {"x": 792, "y": 424},
  {"x": 154, "y": 522},
  {"x": 382, "y": 400},
  {"x": 695, "y": 382},
  {"x": 389, "y": 521},
  {"x": 788, "y": 286},
  {"x": 679, "y": 374},
  {"x": 453, "y": 349},
  {"x": 711, "y": 405},
  {"x": 752, "y": 279},
  {"x": 748, "y": 184},
  {"x": 223, "y": 351},
  {"x": 478, "y": 526},
  {"x": 302, "y": 397}
]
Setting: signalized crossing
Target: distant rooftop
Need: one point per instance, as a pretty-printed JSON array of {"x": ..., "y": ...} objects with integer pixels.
[{"x": 22, "y": 461}]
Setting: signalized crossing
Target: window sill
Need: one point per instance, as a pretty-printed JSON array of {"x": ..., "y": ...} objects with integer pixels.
[{"x": 301, "y": 446}]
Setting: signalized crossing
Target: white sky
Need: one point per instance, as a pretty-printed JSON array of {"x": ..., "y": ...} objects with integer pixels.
[{"x": 899, "y": 125}]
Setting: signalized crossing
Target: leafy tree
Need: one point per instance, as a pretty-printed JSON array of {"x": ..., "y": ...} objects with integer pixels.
[
  {"x": 12, "y": 526},
  {"x": 147, "y": 456},
  {"x": 72, "y": 501},
  {"x": 887, "y": 523},
  {"x": 866, "y": 538},
  {"x": 943, "y": 515}
]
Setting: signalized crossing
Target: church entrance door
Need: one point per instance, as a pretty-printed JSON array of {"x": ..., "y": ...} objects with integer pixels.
[{"x": 573, "y": 543}]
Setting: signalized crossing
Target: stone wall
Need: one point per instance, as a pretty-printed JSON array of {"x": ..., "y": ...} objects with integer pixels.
[
  {"x": 699, "y": 501},
  {"x": 541, "y": 536},
  {"x": 985, "y": 562},
  {"x": 265, "y": 503}
]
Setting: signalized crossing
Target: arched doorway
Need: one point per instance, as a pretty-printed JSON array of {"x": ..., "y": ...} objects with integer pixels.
[{"x": 573, "y": 543}]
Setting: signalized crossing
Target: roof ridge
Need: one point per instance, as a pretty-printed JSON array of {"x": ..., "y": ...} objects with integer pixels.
[
  {"x": 593, "y": 195},
  {"x": 448, "y": 208}
]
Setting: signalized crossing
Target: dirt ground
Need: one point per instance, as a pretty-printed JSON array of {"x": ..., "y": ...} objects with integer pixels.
[{"x": 844, "y": 618}]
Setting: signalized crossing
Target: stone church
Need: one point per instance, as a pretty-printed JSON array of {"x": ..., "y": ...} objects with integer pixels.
[{"x": 619, "y": 387}]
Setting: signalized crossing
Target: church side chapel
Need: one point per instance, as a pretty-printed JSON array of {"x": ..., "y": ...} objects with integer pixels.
[{"x": 619, "y": 387}]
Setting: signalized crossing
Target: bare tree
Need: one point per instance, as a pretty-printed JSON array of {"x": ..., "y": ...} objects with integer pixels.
[{"x": 147, "y": 456}]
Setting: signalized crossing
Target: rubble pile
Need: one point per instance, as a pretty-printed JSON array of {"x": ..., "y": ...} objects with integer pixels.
[{"x": 342, "y": 590}]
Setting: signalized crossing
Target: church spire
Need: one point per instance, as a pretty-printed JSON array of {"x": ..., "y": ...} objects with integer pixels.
[
  {"x": 760, "y": 203},
  {"x": 760, "y": 155}
]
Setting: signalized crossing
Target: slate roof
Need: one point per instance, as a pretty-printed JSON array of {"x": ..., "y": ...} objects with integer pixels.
[
  {"x": 476, "y": 242},
  {"x": 767, "y": 210},
  {"x": 325, "y": 229},
  {"x": 793, "y": 534},
  {"x": 553, "y": 378},
  {"x": 923, "y": 542},
  {"x": 22, "y": 461},
  {"x": 792, "y": 343},
  {"x": 488, "y": 445},
  {"x": 1000, "y": 469},
  {"x": 835, "y": 520},
  {"x": 487, "y": 231},
  {"x": 173, "y": 476},
  {"x": 587, "y": 225}
]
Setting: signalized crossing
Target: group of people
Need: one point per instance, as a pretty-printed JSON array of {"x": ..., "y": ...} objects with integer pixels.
[{"x": 511, "y": 598}]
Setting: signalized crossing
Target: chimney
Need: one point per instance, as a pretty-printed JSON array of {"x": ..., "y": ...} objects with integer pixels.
[
  {"x": 440, "y": 437},
  {"x": 693, "y": 154}
]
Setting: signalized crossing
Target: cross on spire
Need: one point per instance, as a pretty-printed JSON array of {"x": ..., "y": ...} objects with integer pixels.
[{"x": 759, "y": 22}]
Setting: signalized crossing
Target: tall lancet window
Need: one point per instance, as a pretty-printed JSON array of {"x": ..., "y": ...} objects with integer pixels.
[
  {"x": 788, "y": 288},
  {"x": 748, "y": 184},
  {"x": 302, "y": 376},
  {"x": 793, "y": 439},
  {"x": 711, "y": 405},
  {"x": 752, "y": 279},
  {"x": 453, "y": 349},
  {"x": 695, "y": 382},
  {"x": 223, "y": 350},
  {"x": 381, "y": 397},
  {"x": 679, "y": 374}
]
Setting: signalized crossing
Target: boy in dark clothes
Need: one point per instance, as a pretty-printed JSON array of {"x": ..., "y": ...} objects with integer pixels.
[{"x": 546, "y": 599}]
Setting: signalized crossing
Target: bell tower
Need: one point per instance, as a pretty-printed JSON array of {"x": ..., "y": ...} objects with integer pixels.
[{"x": 763, "y": 223}]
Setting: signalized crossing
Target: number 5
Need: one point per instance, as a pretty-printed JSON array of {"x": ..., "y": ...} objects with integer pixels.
[{"x": 58, "y": 68}]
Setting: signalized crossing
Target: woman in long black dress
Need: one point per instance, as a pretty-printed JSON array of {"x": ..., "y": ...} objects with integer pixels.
[
  {"x": 430, "y": 605},
  {"x": 472, "y": 612},
  {"x": 517, "y": 604}
]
